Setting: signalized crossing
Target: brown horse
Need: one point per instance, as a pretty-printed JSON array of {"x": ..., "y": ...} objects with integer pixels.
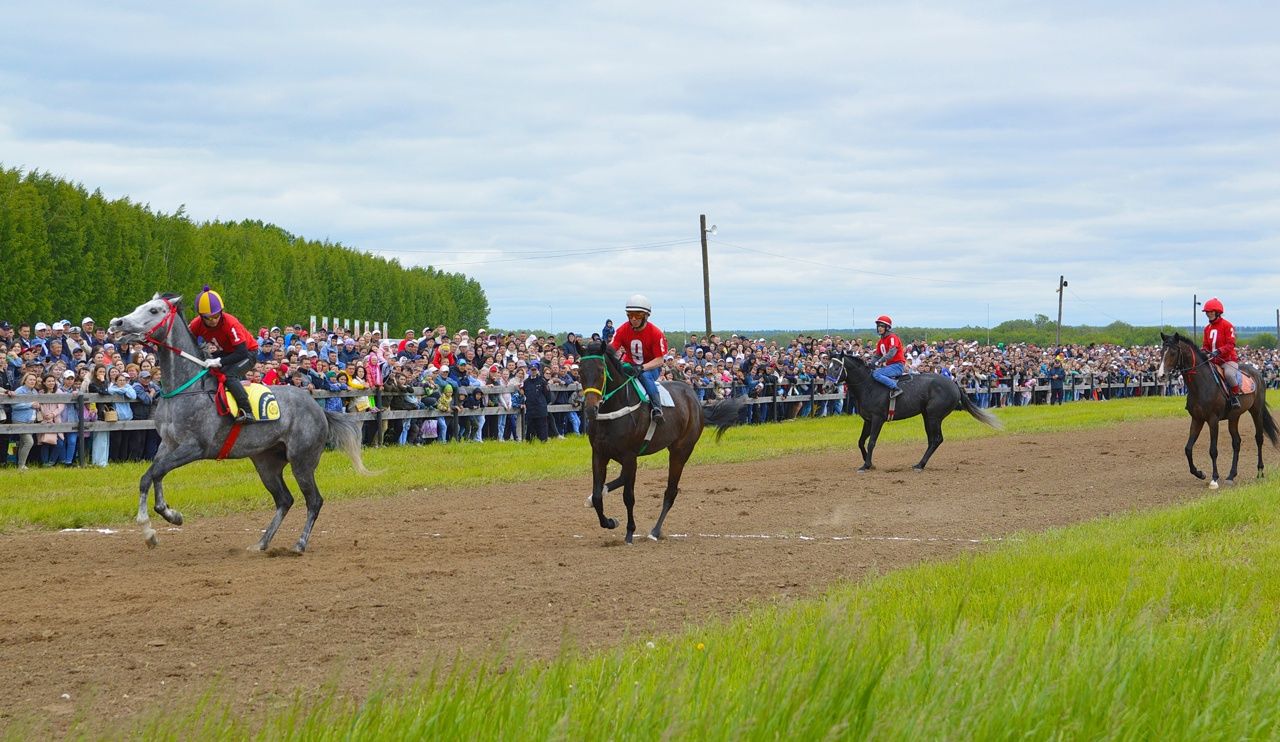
[
  {"x": 1207, "y": 403},
  {"x": 619, "y": 428}
]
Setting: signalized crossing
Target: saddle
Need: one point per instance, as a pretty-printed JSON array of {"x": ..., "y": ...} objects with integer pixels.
[{"x": 263, "y": 404}]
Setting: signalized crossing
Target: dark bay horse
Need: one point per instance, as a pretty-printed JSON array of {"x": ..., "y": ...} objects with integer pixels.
[
  {"x": 1207, "y": 403},
  {"x": 929, "y": 395},
  {"x": 190, "y": 428},
  {"x": 618, "y": 423}
]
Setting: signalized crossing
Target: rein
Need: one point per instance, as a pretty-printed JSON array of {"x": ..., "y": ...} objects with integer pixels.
[
  {"x": 166, "y": 325},
  {"x": 605, "y": 395}
]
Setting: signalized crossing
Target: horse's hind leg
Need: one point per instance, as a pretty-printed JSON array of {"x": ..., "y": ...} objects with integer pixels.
[
  {"x": 1257, "y": 429},
  {"x": 1213, "y": 453},
  {"x": 933, "y": 431},
  {"x": 270, "y": 465},
  {"x": 675, "y": 467},
  {"x": 304, "y": 470}
]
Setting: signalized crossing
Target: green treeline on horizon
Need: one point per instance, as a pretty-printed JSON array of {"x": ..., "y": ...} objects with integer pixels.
[{"x": 69, "y": 253}]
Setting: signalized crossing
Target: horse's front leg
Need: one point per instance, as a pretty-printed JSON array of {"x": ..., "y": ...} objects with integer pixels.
[
  {"x": 1213, "y": 452},
  {"x": 1196, "y": 425},
  {"x": 1233, "y": 427},
  {"x": 629, "y": 495},
  {"x": 599, "y": 469},
  {"x": 862, "y": 444},
  {"x": 870, "y": 431},
  {"x": 167, "y": 459}
]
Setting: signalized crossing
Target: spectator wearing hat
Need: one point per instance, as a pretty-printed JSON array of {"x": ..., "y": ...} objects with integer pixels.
[
  {"x": 537, "y": 395},
  {"x": 443, "y": 356},
  {"x": 146, "y": 442}
]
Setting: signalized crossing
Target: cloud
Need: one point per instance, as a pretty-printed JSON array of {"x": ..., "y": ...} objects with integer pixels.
[{"x": 930, "y": 160}]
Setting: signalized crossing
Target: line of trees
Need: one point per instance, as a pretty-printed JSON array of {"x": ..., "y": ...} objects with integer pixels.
[{"x": 66, "y": 251}]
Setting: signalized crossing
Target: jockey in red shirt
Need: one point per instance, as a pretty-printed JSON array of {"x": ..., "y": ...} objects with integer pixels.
[
  {"x": 237, "y": 347},
  {"x": 642, "y": 346},
  {"x": 1220, "y": 344},
  {"x": 890, "y": 362}
]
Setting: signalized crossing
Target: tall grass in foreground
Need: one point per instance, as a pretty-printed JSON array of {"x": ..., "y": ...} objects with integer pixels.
[
  {"x": 71, "y": 498},
  {"x": 1155, "y": 626}
]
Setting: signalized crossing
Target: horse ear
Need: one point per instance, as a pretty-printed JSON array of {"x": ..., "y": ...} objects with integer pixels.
[
  {"x": 1164, "y": 337},
  {"x": 156, "y": 296}
]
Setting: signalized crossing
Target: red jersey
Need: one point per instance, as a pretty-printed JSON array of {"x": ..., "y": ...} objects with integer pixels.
[
  {"x": 893, "y": 346},
  {"x": 639, "y": 347},
  {"x": 229, "y": 334},
  {"x": 1220, "y": 335}
]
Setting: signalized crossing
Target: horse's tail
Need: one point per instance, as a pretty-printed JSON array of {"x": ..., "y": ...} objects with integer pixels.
[
  {"x": 1268, "y": 422},
  {"x": 978, "y": 413},
  {"x": 724, "y": 414},
  {"x": 344, "y": 432}
]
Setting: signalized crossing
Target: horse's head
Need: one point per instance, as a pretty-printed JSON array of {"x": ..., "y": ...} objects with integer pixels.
[
  {"x": 1177, "y": 353},
  {"x": 842, "y": 364},
  {"x": 146, "y": 317},
  {"x": 593, "y": 373}
]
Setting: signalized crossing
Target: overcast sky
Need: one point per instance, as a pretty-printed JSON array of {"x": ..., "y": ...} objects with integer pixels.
[{"x": 940, "y": 162}]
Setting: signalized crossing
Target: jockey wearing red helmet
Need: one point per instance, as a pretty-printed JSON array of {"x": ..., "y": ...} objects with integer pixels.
[
  {"x": 1220, "y": 344},
  {"x": 237, "y": 348},
  {"x": 890, "y": 362}
]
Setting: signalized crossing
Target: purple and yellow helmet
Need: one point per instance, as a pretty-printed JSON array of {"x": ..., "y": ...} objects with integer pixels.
[{"x": 208, "y": 302}]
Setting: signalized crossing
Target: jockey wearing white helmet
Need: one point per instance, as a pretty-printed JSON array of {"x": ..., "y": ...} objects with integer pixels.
[{"x": 642, "y": 345}]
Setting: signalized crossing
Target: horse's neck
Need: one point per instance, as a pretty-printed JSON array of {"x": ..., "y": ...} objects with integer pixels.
[{"x": 176, "y": 369}]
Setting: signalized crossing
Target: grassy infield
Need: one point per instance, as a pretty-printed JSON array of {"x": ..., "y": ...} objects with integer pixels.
[{"x": 1161, "y": 625}]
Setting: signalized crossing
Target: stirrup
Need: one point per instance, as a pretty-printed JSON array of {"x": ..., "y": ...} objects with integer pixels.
[
  {"x": 893, "y": 393},
  {"x": 242, "y": 417},
  {"x": 1233, "y": 402},
  {"x": 655, "y": 411}
]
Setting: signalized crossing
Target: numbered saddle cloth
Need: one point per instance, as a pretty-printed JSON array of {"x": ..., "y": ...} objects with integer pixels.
[{"x": 263, "y": 403}]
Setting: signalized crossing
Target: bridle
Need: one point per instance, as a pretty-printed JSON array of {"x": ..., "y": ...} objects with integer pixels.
[
  {"x": 166, "y": 325},
  {"x": 1188, "y": 372},
  {"x": 606, "y": 393}
]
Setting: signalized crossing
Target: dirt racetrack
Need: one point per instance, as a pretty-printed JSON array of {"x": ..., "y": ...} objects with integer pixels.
[{"x": 398, "y": 582}]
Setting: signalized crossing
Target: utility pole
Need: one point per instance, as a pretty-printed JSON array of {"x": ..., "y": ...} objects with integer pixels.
[
  {"x": 1058, "y": 337},
  {"x": 706, "y": 272},
  {"x": 1195, "y": 316},
  {"x": 1278, "y": 328}
]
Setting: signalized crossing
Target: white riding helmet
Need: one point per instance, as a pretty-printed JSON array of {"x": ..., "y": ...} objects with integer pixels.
[{"x": 639, "y": 303}]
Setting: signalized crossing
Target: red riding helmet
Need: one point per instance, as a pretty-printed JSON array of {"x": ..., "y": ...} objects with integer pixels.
[
  {"x": 884, "y": 320},
  {"x": 1213, "y": 305}
]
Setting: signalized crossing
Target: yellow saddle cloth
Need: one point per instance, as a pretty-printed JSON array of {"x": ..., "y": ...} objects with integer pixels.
[{"x": 262, "y": 401}]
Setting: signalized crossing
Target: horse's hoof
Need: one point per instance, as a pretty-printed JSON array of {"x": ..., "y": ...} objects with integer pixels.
[
  {"x": 863, "y": 469},
  {"x": 1213, "y": 484},
  {"x": 150, "y": 538},
  {"x": 630, "y": 536},
  {"x": 1198, "y": 474},
  {"x": 610, "y": 523},
  {"x": 1230, "y": 482},
  {"x": 917, "y": 467},
  {"x": 173, "y": 516},
  {"x": 653, "y": 536}
]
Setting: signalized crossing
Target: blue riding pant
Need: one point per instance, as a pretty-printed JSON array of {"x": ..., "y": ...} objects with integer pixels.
[
  {"x": 649, "y": 380},
  {"x": 886, "y": 374}
]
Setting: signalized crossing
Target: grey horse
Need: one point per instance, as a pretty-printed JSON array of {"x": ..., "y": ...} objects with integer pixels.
[{"x": 190, "y": 428}]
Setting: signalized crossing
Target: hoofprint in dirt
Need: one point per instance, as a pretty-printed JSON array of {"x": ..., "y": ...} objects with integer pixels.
[{"x": 97, "y": 628}]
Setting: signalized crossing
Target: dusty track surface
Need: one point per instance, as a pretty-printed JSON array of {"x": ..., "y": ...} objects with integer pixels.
[{"x": 400, "y": 582}]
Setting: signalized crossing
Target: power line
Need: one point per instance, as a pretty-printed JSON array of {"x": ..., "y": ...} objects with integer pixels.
[{"x": 539, "y": 254}]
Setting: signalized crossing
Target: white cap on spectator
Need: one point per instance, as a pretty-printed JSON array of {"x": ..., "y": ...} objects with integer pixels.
[
  {"x": 65, "y": 323},
  {"x": 41, "y": 326},
  {"x": 444, "y": 368},
  {"x": 68, "y": 373},
  {"x": 87, "y": 320}
]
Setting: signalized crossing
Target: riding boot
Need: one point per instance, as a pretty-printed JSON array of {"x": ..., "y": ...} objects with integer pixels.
[
  {"x": 895, "y": 392},
  {"x": 655, "y": 410},
  {"x": 242, "y": 400}
]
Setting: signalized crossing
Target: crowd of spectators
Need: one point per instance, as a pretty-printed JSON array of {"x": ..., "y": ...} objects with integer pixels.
[{"x": 453, "y": 372}]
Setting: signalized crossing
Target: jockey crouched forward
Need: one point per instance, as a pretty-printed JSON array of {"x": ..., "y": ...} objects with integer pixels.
[
  {"x": 237, "y": 347},
  {"x": 643, "y": 346},
  {"x": 890, "y": 361}
]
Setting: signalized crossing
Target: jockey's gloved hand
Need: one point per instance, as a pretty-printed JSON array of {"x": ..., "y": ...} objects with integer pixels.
[
  {"x": 1215, "y": 353},
  {"x": 629, "y": 369},
  {"x": 213, "y": 363}
]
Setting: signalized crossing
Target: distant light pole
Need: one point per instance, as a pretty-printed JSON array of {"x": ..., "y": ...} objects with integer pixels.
[
  {"x": 553, "y": 319},
  {"x": 988, "y": 323},
  {"x": 1195, "y": 315},
  {"x": 1062, "y": 284},
  {"x": 706, "y": 271}
]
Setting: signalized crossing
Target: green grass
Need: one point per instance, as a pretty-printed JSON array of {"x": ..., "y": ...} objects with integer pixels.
[
  {"x": 75, "y": 498},
  {"x": 1154, "y": 626}
]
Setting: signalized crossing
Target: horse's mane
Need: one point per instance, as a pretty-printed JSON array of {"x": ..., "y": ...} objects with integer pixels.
[
  {"x": 1199, "y": 353},
  {"x": 599, "y": 347}
]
